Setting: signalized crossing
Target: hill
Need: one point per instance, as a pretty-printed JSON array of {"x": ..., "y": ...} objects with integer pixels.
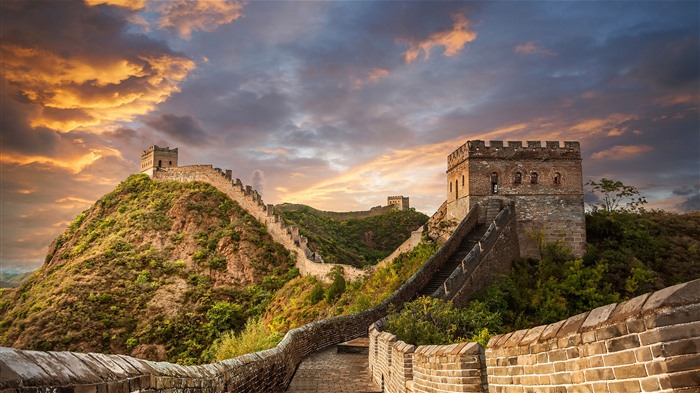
[
  {"x": 353, "y": 238},
  {"x": 155, "y": 270},
  {"x": 12, "y": 280}
]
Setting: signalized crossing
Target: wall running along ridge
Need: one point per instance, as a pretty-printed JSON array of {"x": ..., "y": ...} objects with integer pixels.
[
  {"x": 647, "y": 344},
  {"x": 264, "y": 372},
  {"x": 251, "y": 201}
]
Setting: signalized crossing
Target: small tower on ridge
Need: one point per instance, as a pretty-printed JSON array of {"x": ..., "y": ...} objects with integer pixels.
[{"x": 156, "y": 157}]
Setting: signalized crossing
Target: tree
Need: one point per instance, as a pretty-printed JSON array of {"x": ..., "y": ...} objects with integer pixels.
[{"x": 613, "y": 196}]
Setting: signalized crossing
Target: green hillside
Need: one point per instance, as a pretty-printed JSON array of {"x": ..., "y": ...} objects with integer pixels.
[
  {"x": 155, "y": 270},
  {"x": 358, "y": 238}
]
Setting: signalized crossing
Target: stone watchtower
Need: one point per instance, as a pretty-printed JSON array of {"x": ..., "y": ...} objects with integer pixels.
[
  {"x": 158, "y": 157},
  {"x": 400, "y": 202},
  {"x": 545, "y": 183}
]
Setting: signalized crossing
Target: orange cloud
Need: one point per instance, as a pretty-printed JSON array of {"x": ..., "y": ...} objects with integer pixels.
[
  {"x": 622, "y": 152},
  {"x": 452, "y": 40},
  {"x": 611, "y": 125},
  {"x": 417, "y": 170},
  {"x": 532, "y": 48},
  {"x": 130, "y": 4},
  {"x": 186, "y": 16},
  {"x": 68, "y": 160},
  {"x": 81, "y": 91},
  {"x": 377, "y": 73}
]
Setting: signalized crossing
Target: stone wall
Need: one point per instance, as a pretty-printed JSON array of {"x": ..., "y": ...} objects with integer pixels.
[
  {"x": 490, "y": 257},
  {"x": 647, "y": 344},
  {"x": 249, "y": 199}
]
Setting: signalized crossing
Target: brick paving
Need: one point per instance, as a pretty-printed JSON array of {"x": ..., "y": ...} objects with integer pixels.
[{"x": 327, "y": 371}]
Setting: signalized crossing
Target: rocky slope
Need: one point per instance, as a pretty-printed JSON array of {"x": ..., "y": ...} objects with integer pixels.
[{"x": 155, "y": 270}]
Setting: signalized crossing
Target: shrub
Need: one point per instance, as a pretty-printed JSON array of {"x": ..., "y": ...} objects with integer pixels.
[
  {"x": 337, "y": 286},
  {"x": 256, "y": 336},
  {"x": 317, "y": 293}
]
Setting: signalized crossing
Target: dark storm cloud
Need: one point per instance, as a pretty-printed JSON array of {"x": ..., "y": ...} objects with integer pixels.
[
  {"x": 692, "y": 203},
  {"x": 184, "y": 129}
]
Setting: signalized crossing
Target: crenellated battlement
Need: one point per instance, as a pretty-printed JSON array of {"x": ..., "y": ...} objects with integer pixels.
[{"x": 514, "y": 150}]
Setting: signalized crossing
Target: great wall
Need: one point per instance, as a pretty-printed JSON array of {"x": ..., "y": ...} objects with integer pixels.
[{"x": 647, "y": 344}]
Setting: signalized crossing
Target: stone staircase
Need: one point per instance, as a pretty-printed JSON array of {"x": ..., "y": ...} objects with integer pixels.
[
  {"x": 466, "y": 245},
  {"x": 493, "y": 207}
]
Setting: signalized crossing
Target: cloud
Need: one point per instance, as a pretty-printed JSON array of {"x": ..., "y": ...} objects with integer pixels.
[
  {"x": 84, "y": 71},
  {"x": 618, "y": 153},
  {"x": 453, "y": 41},
  {"x": 532, "y": 48},
  {"x": 130, "y": 4},
  {"x": 186, "y": 16},
  {"x": 257, "y": 180},
  {"x": 182, "y": 128}
]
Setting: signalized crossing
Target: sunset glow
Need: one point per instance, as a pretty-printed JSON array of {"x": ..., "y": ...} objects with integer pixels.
[{"x": 334, "y": 104}]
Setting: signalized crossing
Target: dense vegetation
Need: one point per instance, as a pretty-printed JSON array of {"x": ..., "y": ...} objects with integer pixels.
[
  {"x": 156, "y": 270},
  {"x": 359, "y": 241},
  {"x": 628, "y": 254},
  {"x": 307, "y": 299}
]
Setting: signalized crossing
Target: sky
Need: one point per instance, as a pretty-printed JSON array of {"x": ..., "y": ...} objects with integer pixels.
[{"x": 335, "y": 104}]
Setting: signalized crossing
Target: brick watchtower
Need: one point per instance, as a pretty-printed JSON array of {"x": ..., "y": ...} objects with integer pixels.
[
  {"x": 400, "y": 202},
  {"x": 545, "y": 183},
  {"x": 158, "y": 157}
]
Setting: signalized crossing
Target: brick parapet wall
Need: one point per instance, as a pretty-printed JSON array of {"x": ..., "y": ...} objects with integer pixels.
[
  {"x": 647, "y": 344},
  {"x": 491, "y": 256}
]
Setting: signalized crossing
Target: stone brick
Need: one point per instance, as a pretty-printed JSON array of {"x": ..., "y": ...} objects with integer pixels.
[
  {"x": 683, "y": 363},
  {"x": 613, "y": 331},
  {"x": 674, "y": 316},
  {"x": 619, "y": 358},
  {"x": 572, "y": 325},
  {"x": 631, "y": 371},
  {"x": 682, "y": 347},
  {"x": 580, "y": 388},
  {"x": 627, "y": 309},
  {"x": 622, "y": 343},
  {"x": 599, "y": 374},
  {"x": 624, "y": 386},
  {"x": 685, "y": 379},
  {"x": 677, "y": 295},
  {"x": 650, "y": 384},
  {"x": 597, "y": 316},
  {"x": 670, "y": 333}
]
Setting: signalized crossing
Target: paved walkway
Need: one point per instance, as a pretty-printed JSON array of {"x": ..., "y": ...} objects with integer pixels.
[{"x": 327, "y": 371}]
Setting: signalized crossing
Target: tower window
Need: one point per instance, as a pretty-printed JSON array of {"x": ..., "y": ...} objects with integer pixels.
[
  {"x": 533, "y": 178},
  {"x": 160, "y": 163},
  {"x": 170, "y": 163},
  {"x": 456, "y": 189},
  {"x": 494, "y": 183},
  {"x": 557, "y": 178},
  {"x": 462, "y": 180},
  {"x": 518, "y": 178},
  {"x": 450, "y": 187}
]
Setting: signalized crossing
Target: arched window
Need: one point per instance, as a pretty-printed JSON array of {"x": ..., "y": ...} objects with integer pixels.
[
  {"x": 557, "y": 178},
  {"x": 170, "y": 163},
  {"x": 450, "y": 187},
  {"x": 456, "y": 189},
  {"x": 462, "y": 180},
  {"x": 518, "y": 178},
  {"x": 494, "y": 183},
  {"x": 160, "y": 163},
  {"x": 533, "y": 178}
]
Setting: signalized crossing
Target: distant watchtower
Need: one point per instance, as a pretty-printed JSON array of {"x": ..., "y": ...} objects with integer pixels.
[
  {"x": 158, "y": 157},
  {"x": 545, "y": 182},
  {"x": 400, "y": 202}
]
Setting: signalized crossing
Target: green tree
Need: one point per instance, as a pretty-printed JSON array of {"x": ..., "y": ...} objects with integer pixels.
[
  {"x": 613, "y": 195},
  {"x": 337, "y": 286}
]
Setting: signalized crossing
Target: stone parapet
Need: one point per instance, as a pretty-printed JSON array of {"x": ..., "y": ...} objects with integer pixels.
[
  {"x": 647, "y": 344},
  {"x": 515, "y": 150}
]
